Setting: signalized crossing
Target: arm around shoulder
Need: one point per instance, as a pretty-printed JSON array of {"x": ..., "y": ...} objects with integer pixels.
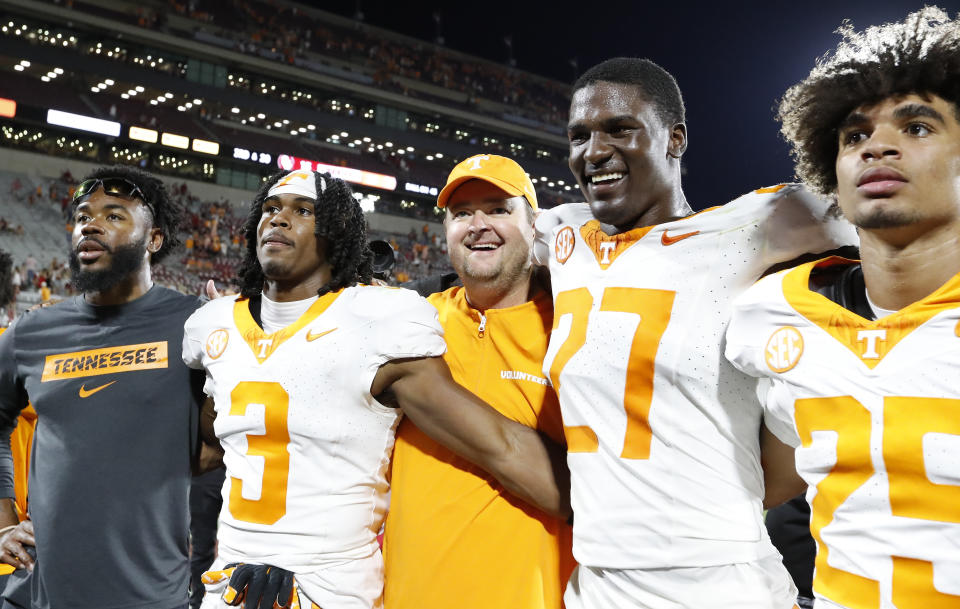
[{"x": 528, "y": 464}]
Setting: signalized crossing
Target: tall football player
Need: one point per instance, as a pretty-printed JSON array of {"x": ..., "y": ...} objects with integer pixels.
[
  {"x": 666, "y": 483},
  {"x": 859, "y": 360}
]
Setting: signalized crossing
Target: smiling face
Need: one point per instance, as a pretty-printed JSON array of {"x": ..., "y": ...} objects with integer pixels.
[
  {"x": 623, "y": 156},
  {"x": 292, "y": 256},
  {"x": 898, "y": 164},
  {"x": 113, "y": 237},
  {"x": 489, "y": 234}
]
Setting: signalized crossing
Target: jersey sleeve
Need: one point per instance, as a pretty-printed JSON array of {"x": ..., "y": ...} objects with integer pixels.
[
  {"x": 798, "y": 222},
  {"x": 547, "y": 221},
  {"x": 741, "y": 340},
  {"x": 403, "y": 325},
  {"x": 192, "y": 340},
  {"x": 746, "y": 338},
  {"x": 199, "y": 325}
]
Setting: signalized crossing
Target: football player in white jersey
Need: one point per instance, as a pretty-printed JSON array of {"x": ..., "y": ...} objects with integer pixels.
[
  {"x": 305, "y": 367},
  {"x": 858, "y": 360},
  {"x": 662, "y": 432}
]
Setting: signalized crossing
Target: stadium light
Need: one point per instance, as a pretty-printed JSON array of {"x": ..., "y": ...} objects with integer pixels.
[
  {"x": 83, "y": 123},
  {"x": 205, "y": 146},
  {"x": 143, "y": 134},
  {"x": 421, "y": 189},
  {"x": 175, "y": 141},
  {"x": 8, "y": 107}
]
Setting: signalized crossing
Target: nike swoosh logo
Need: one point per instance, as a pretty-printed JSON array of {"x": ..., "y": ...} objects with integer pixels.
[
  {"x": 85, "y": 393},
  {"x": 312, "y": 337},
  {"x": 666, "y": 239}
]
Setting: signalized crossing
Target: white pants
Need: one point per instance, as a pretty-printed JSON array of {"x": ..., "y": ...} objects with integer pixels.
[{"x": 762, "y": 584}]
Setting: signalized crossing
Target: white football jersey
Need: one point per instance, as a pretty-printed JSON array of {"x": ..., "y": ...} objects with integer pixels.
[
  {"x": 661, "y": 430},
  {"x": 306, "y": 445},
  {"x": 874, "y": 409}
]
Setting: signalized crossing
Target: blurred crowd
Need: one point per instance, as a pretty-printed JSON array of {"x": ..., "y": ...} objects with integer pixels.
[
  {"x": 290, "y": 33},
  {"x": 213, "y": 245}
]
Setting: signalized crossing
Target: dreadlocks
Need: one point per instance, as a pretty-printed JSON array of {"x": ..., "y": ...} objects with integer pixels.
[
  {"x": 919, "y": 55},
  {"x": 339, "y": 220}
]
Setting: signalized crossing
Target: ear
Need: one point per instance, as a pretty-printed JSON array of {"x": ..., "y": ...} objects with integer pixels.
[
  {"x": 678, "y": 141},
  {"x": 155, "y": 240}
]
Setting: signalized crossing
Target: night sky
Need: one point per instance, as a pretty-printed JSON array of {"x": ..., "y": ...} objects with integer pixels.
[{"x": 732, "y": 60}]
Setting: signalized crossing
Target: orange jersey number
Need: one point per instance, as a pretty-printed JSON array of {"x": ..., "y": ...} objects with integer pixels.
[
  {"x": 912, "y": 495},
  {"x": 653, "y": 307},
  {"x": 272, "y": 445}
]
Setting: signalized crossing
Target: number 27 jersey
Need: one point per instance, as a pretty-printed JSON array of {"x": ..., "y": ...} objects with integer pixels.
[{"x": 661, "y": 430}]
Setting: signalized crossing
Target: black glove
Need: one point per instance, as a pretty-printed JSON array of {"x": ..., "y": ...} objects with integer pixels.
[{"x": 259, "y": 586}]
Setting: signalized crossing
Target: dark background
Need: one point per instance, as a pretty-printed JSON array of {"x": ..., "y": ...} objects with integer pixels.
[{"x": 732, "y": 60}]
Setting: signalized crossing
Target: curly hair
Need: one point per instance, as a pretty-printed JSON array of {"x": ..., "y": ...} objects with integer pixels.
[
  {"x": 339, "y": 220},
  {"x": 920, "y": 55},
  {"x": 6, "y": 278},
  {"x": 658, "y": 86},
  {"x": 167, "y": 213}
]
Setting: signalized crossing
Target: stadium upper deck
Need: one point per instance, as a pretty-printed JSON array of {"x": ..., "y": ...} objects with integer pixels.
[{"x": 265, "y": 100}]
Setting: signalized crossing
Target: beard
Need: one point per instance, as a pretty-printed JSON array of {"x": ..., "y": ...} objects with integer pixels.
[
  {"x": 124, "y": 260},
  {"x": 885, "y": 219},
  {"x": 504, "y": 272}
]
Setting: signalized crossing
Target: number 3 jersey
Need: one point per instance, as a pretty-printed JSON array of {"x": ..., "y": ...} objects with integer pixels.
[
  {"x": 306, "y": 445},
  {"x": 874, "y": 409},
  {"x": 661, "y": 430}
]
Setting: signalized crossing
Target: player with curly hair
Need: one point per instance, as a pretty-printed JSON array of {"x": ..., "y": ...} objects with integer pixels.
[
  {"x": 306, "y": 371},
  {"x": 859, "y": 358},
  {"x": 338, "y": 220}
]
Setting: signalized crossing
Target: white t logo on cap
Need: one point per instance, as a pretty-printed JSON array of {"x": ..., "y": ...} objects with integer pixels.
[{"x": 475, "y": 161}]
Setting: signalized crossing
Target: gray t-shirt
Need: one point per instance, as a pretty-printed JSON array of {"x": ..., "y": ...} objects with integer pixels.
[{"x": 110, "y": 470}]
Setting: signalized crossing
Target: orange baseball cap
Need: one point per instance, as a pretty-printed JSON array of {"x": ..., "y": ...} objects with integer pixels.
[{"x": 500, "y": 171}]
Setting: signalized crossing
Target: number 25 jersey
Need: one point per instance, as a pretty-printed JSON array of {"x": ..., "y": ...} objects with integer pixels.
[
  {"x": 661, "y": 431},
  {"x": 874, "y": 409},
  {"x": 306, "y": 445}
]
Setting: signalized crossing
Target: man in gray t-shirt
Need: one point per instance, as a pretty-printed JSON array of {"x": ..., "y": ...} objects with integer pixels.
[{"x": 117, "y": 415}]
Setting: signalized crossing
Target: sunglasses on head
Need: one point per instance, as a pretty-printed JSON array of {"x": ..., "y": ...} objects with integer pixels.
[{"x": 115, "y": 187}]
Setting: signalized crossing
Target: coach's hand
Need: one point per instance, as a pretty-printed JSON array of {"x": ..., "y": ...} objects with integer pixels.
[
  {"x": 259, "y": 587},
  {"x": 14, "y": 543}
]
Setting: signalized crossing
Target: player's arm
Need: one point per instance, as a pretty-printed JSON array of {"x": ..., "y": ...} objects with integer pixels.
[
  {"x": 780, "y": 478},
  {"x": 14, "y": 535},
  {"x": 210, "y": 456},
  {"x": 800, "y": 222},
  {"x": 528, "y": 464}
]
